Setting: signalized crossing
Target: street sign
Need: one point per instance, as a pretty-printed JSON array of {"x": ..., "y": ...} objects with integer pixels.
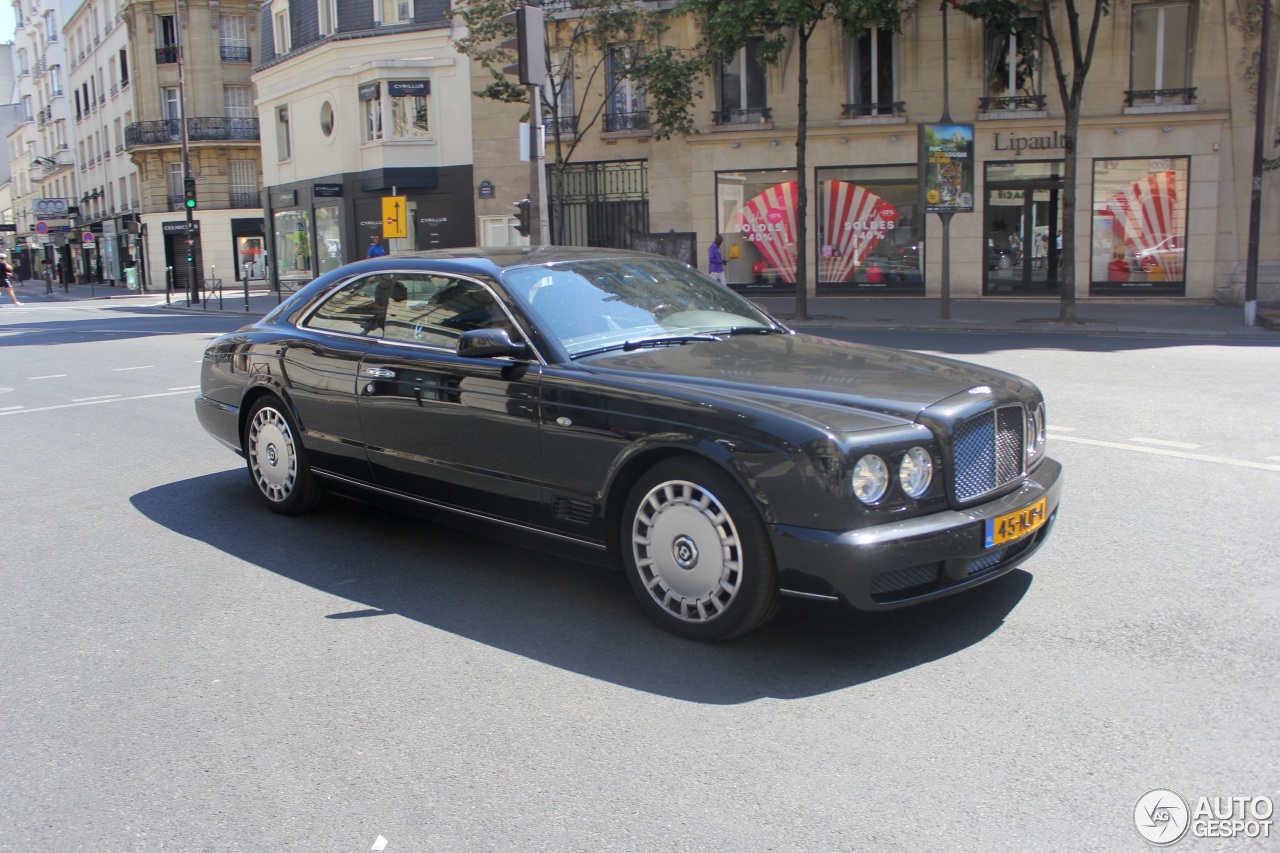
[
  {"x": 50, "y": 208},
  {"x": 86, "y": 237},
  {"x": 42, "y": 228},
  {"x": 393, "y": 216}
]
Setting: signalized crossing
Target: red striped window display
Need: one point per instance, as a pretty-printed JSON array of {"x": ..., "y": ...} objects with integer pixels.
[{"x": 1139, "y": 226}]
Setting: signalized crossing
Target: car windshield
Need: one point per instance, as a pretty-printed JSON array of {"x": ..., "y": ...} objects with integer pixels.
[{"x": 590, "y": 306}]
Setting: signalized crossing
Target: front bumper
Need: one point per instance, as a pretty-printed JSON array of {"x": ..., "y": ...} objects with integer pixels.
[
  {"x": 220, "y": 421},
  {"x": 906, "y": 562}
]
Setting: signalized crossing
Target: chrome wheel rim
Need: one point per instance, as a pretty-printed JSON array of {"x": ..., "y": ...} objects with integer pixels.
[
  {"x": 273, "y": 457},
  {"x": 687, "y": 550}
]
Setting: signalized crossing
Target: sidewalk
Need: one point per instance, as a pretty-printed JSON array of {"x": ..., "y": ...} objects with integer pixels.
[{"x": 1165, "y": 318}]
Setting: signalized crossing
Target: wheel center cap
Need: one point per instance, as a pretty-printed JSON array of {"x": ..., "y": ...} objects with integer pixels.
[
  {"x": 685, "y": 551},
  {"x": 272, "y": 457}
]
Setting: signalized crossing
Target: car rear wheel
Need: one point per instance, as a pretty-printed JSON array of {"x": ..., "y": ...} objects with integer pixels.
[
  {"x": 697, "y": 553},
  {"x": 277, "y": 460}
]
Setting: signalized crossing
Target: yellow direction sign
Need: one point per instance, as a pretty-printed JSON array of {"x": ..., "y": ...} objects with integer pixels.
[{"x": 393, "y": 217}]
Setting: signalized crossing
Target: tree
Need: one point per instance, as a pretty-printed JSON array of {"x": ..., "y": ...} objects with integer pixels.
[
  {"x": 1008, "y": 16},
  {"x": 594, "y": 48},
  {"x": 727, "y": 26}
]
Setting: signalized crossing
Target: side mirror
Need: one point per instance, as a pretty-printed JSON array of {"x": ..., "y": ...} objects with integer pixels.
[{"x": 489, "y": 343}]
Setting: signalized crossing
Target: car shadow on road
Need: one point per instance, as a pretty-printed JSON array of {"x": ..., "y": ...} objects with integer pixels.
[{"x": 567, "y": 614}]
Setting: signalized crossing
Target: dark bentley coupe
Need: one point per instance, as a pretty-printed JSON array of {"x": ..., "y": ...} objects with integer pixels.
[{"x": 628, "y": 409}]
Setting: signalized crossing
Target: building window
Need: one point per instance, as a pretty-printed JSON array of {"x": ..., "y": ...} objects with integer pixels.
[
  {"x": 328, "y": 10},
  {"x": 564, "y": 120},
  {"x": 176, "y": 193},
  {"x": 1011, "y": 72},
  {"x": 371, "y": 106},
  {"x": 242, "y": 180},
  {"x": 740, "y": 88},
  {"x": 1139, "y": 227},
  {"x": 124, "y": 68},
  {"x": 756, "y": 211},
  {"x": 626, "y": 109},
  {"x": 171, "y": 103},
  {"x": 871, "y": 74},
  {"x": 284, "y": 149},
  {"x": 166, "y": 39},
  {"x": 1160, "y": 71},
  {"x": 409, "y": 118},
  {"x": 55, "y": 80},
  {"x": 387, "y": 12},
  {"x": 237, "y": 101},
  {"x": 233, "y": 39},
  {"x": 280, "y": 22},
  {"x": 24, "y": 66}
]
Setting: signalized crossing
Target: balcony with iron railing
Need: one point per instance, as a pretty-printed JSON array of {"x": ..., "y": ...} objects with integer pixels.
[
  {"x": 874, "y": 109},
  {"x": 622, "y": 122},
  {"x": 1159, "y": 97},
  {"x": 166, "y": 55},
  {"x": 748, "y": 116},
  {"x": 1032, "y": 103},
  {"x": 206, "y": 129},
  {"x": 561, "y": 125},
  {"x": 234, "y": 53}
]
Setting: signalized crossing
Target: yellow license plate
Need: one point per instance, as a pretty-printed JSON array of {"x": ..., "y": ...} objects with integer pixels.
[{"x": 1016, "y": 524}]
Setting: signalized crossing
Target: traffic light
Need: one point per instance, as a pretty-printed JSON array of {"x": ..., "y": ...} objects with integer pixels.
[
  {"x": 189, "y": 193},
  {"x": 522, "y": 217},
  {"x": 191, "y": 251},
  {"x": 529, "y": 44}
]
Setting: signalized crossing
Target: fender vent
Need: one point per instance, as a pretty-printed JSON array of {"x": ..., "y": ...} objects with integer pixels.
[{"x": 574, "y": 512}]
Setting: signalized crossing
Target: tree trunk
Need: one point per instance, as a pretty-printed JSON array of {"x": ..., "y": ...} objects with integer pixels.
[
  {"x": 1070, "y": 167},
  {"x": 802, "y": 186}
]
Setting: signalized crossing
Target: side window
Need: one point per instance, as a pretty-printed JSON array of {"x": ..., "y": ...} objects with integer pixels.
[
  {"x": 436, "y": 311},
  {"x": 358, "y": 309}
]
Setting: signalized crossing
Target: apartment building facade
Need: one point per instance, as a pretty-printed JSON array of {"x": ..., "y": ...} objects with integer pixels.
[
  {"x": 362, "y": 101},
  {"x": 1163, "y": 187}
]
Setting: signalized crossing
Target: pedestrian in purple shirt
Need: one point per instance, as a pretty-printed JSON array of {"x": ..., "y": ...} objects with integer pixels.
[{"x": 715, "y": 261}]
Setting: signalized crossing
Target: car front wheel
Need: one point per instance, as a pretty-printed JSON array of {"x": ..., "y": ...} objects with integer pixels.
[
  {"x": 697, "y": 553},
  {"x": 277, "y": 460}
]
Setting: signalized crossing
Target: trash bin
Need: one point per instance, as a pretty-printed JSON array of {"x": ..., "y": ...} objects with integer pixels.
[{"x": 131, "y": 278}]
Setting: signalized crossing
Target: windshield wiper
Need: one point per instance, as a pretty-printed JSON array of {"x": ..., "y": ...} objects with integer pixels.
[
  {"x": 669, "y": 340},
  {"x": 750, "y": 330}
]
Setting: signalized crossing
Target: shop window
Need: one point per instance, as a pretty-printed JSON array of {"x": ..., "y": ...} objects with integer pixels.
[
  {"x": 871, "y": 65},
  {"x": 870, "y": 237},
  {"x": 756, "y": 213},
  {"x": 626, "y": 110},
  {"x": 409, "y": 118},
  {"x": 1139, "y": 227},
  {"x": 1160, "y": 69},
  {"x": 1011, "y": 70},
  {"x": 328, "y": 237},
  {"x": 371, "y": 107},
  {"x": 293, "y": 245},
  {"x": 740, "y": 88}
]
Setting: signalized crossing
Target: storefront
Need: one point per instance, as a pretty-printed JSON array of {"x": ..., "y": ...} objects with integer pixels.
[
  {"x": 1022, "y": 223},
  {"x": 1139, "y": 226},
  {"x": 319, "y": 226},
  {"x": 870, "y": 232},
  {"x": 756, "y": 213}
]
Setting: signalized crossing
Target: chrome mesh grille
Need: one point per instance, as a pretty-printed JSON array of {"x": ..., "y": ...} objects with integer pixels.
[{"x": 988, "y": 451}]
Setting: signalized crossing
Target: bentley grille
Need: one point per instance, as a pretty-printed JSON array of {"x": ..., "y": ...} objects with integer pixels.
[{"x": 989, "y": 451}]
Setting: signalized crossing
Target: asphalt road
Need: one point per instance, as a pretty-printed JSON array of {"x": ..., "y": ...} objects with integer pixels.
[{"x": 181, "y": 670}]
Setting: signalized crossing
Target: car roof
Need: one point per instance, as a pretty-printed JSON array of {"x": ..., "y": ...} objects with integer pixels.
[{"x": 504, "y": 257}]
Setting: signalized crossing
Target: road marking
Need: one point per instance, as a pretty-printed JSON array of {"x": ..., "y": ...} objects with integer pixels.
[
  {"x": 50, "y": 376},
  {"x": 1199, "y": 457},
  {"x": 9, "y": 408},
  {"x": 1056, "y": 428},
  {"x": 1179, "y": 444},
  {"x": 93, "y": 401},
  {"x": 139, "y": 367},
  {"x": 186, "y": 388}
]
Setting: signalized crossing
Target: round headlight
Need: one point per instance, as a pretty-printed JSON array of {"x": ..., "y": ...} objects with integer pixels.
[
  {"x": 870, "y": 478},
  {"x": 916, "y": 472}
]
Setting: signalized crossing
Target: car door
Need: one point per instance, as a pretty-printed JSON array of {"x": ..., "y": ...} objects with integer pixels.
[
  {"x": 321, "y": 369},
  {"x": 456, "y": 431}
]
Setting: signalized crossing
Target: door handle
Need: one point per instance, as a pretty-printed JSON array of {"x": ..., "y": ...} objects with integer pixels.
[{"x": 380, "y": 373}]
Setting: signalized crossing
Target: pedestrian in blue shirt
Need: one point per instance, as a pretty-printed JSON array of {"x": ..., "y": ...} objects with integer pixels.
[
  {"x": 715, "y": 261},
  {"x": 376, "y": 249}
]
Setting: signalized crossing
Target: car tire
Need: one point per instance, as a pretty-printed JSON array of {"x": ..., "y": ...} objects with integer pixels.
[
  {"x": 1004, "y": 261},
  {"x": 696, "y": 552},
  {"x": 277, "y": 461}
]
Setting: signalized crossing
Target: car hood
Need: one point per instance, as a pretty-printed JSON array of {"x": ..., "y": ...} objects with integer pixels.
[{"x": 798, "y": 371}]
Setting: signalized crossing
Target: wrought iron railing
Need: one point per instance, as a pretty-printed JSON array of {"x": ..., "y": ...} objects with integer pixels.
[
  {"x": 1159, "y": 96},
  {"x": 1011, "y": 102},
  {"x": 166, "y": 55},
  {"x": 561, "y": 126},
  {"x": 874, "y": 108},
  {"x": 232, "y": 53},
  {"x": 245, "y": 199},
  {"x": 751, "y": 115},
  {"x": 614, "y": 122},
  {"x": 206, "y": 129}
]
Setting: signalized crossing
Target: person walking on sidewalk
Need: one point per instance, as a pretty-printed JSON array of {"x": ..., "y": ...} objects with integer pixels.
[
  {"x": 715, "y": 261},
  {"x": 376, "y": 249},
  {"x": 6, "y": 278}
]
